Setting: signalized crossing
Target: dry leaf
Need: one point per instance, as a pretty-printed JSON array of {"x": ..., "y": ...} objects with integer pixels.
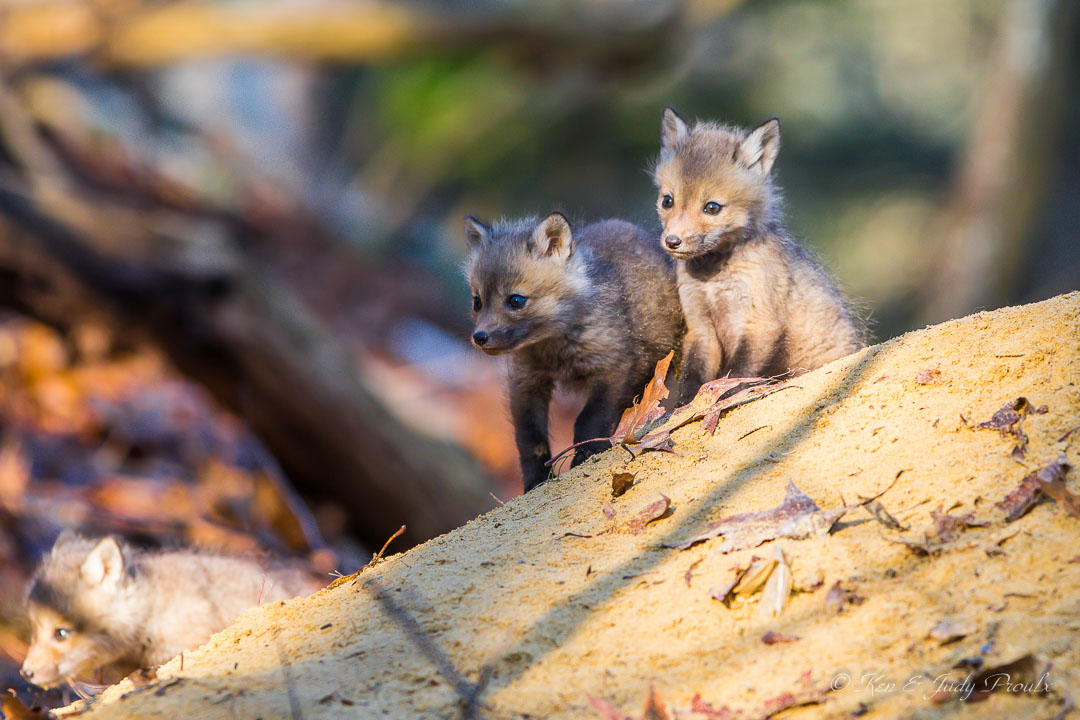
[
  {"x": 1049, "y": 479},
  {"x": 840, "y": 596},
  {"x": 654, "y": 708},
  {"x": 778, "y": 589},
  {"x": 928, "y": 376},
  {"x": 651, "y": 512},
  {"x": 951, "y": 629},
  {"x": 13, "y": 709},
  {"x": 635, "y": 418},
  {"x": 797, "y": 517},
  {"x": 948, "y": 526},
  {"x": 621, "y": 482},
  {"x": 878, "y": 511}
]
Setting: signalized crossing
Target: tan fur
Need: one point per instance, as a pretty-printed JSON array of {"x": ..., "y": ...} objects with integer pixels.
[
  {"x": 756, "y": 303},
  {"x": 120, "y": 606},
  {"x": 600, "y": 311}
]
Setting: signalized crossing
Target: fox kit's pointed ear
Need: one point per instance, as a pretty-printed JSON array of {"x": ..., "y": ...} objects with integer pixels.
[
  {"x": 475, "y": 232},
  {"x": 758, "y": 151},
  {"x": 553, "y": 237},
  {"x": 105, "y": 563},
  {"x": 673, "y": 131}
]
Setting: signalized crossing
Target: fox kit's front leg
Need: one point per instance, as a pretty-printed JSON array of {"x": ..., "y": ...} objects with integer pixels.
[
  {"x": 598, "y": 419},
  {"x": 530, "y": 399},
  {"x": 702, "y": 358}
]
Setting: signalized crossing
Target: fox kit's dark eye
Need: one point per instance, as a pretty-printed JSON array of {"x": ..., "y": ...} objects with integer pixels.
[
  {"x": 476, "y": 304},
  {"x": 713, "y": 208},
  {"x": 667, "y": 202},
  {"x": 62, "y": 634},
  {"x": 516, "y": 302}
]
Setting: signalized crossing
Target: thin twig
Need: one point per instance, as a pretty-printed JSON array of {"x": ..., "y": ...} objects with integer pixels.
[
  {"x": 378, "y": 556},
  {"x": 576, "y": 445}
]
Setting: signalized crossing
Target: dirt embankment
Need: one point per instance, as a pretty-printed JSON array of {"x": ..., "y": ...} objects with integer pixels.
[{"x": 510, "y": 617}]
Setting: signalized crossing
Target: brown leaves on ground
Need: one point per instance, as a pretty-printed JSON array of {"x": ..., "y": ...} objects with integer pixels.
[
  {"x": 929, "y": 376},
  {"x": 1048, "y": 480},
  {"x": 804, "y": 693},
  {"x": 652, "y": 511},
  {"x": 636, "y": 419},
  {"x": 724, "y": 395},
  {"x": 796, "y": 517},
  {"x": 621, "y": 482},
  {"x": 1008, "y": 421},
  {"x": 951, "y": 629},
  {"x": 654, "y": 708},
  {"x": 838, "y": 597},
  {"x": 949, "y": 526},
  {"x": 13, "y": 709}
]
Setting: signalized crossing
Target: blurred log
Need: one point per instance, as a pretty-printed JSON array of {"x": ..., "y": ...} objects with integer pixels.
[
  {"x": 223, "y": 319},
  {"x": 983, "y": 228},
  {"x": 131, "y": 34}
]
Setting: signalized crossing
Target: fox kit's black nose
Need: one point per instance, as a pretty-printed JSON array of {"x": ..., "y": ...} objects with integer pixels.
[
  {"x": 27, "y": 674},
  {"x": 673, "y": 241},
  {"x": 480, "y": 337}
]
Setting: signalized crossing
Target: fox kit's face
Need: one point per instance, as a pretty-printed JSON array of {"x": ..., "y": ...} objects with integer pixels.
[
  {"x": 59, "y": 649},
  {"x": 519, "y": 275},
  {"x": 713, "y": 183},
  {"x": 68, "y": 601}
]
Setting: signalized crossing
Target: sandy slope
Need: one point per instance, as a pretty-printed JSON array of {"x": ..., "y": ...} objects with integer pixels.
[{"x": 542, "y": 620}]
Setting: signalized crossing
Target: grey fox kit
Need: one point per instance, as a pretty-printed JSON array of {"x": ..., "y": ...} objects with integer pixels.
[
  {"x": 756, "y": 302},
  {"x": 99, "y": 603},
  {"x": 594, "y": 309}
]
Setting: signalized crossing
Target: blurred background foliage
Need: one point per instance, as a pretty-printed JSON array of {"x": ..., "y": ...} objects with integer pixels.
[{"x": 264, "y": 198}]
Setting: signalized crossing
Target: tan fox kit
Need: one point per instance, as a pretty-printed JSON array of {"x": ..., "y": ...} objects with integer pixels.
[
  {"x": 756, "y": 302},
  {"x": 99, "y": 603},
  {"x": 596, "y": 310}
]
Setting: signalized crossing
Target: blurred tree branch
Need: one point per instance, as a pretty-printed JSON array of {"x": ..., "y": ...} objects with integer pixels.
[
  {"x": 984, "y": 226},
  {"x": 133, "y": 34},
  {"x": 180, "y": 280}
]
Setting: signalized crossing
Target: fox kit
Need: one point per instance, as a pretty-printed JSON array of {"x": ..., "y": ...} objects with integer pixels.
[
  {"x": 594, "y": 309},
  {"x": 99, "y": 603},
  {"x": 756, "y": 302}
]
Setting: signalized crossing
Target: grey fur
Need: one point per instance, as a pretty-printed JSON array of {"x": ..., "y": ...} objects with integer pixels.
[{"x": 601, "y": 311}]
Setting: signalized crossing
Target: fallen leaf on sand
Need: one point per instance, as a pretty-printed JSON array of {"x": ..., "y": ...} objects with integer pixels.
[
  {"x": 654, "y": 708},
  {"x": 778, "y": 588},
  {"x": 878, "y": 511},
  {"x": 636, "y": 418},
  {"x": 797, "y": 517},
  {"x": 773, "y": 638},
  {"x": 948, "y": 526},
  {"x": 689, "y": 575},
  {"x": 723, "y": 395},
  {"x": 951, "y": 629},
  {"x": 926, "y": 546},
  {"x": 1007, "y": 421},
  {"x": 928, "y": 376},
  {"x": 840, "y": 596},
  {"x": 1050, "y": 480},
  {"x": 621, "y": 482},
  {"x": 13, "y": 709},
  {"x": 649, "y": 513}
]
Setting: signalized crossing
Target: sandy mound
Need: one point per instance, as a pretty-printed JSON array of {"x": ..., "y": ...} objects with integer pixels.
[{"x": 539, "y": 621}]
